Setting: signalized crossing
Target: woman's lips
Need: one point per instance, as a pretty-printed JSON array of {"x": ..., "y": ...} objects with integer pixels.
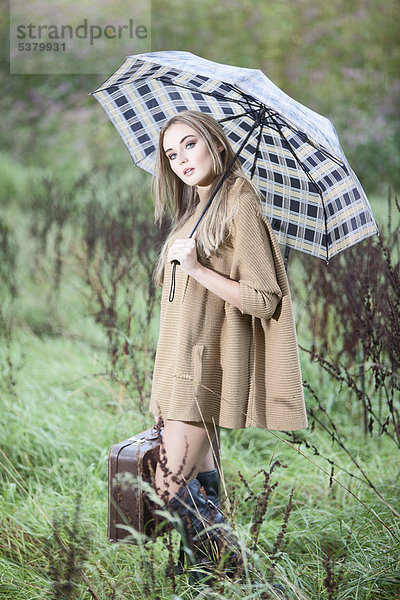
[{"x": 188, "y": 171}]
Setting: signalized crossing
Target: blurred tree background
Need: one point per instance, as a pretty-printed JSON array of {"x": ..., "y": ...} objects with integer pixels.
[{"x": 342, "y": 59}]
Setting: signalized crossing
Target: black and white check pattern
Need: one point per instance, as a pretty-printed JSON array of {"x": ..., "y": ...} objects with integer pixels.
[{"x": 311, "y": 196}]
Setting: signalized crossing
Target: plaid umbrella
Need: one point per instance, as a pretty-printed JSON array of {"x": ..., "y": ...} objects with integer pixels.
[{"x": 310, "y": 195}]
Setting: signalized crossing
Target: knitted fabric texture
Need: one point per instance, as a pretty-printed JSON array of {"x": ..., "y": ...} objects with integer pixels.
[{"x": 215, "y": 363}]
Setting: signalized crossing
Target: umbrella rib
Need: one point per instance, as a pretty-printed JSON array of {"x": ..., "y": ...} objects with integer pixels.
[
  {"x": 258, "y": 111},
  {"x": 231, "y": 117},
  {"x": 287, "y": 143},
  {"x": 253, "y": 168},
  {"x": 213, "y": 94},
  {"x": 305, "y": 138},
  {"x": 263, "y": 109},
  {"x": 275, "y": 117}
]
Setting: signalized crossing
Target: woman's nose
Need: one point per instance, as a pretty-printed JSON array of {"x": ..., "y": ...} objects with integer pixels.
[{"x": 182, "y": 158}]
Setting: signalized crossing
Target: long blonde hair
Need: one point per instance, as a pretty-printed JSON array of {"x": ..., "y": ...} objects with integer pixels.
[{"x": 172, "y": 193}]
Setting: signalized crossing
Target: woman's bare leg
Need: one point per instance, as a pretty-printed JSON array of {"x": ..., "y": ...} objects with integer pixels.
[
  {"x": 208, "y": 462},
  {"x": 187, "y": 443}
]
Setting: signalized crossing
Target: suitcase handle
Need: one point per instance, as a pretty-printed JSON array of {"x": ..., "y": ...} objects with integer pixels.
[{"x": 150, "y": 434}]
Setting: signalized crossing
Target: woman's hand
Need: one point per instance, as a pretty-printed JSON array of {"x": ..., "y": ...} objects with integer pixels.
[{"x": 185, "y": 251}]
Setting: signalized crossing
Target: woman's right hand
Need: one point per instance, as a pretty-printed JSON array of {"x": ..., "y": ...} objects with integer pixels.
[{"x": 185, "y": 252}]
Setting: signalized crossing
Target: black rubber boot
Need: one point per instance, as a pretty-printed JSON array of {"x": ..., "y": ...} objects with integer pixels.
[
  {"x": 196, "y": 513},
  {"x": 210, "y": 482}
]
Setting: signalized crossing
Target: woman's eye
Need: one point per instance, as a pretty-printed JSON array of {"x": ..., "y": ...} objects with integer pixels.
[{"x": 189, "y": 145}]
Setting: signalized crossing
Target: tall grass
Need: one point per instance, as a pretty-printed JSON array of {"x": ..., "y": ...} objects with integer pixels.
[{"x": 64, "y": 401}]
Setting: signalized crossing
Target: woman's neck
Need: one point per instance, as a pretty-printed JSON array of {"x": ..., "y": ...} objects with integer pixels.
[{"x": 203, "y": 192}]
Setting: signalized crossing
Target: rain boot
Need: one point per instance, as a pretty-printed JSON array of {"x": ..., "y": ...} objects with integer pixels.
[
  {"x": 210, "y": 482},
  {"x": 196, "y": 514}
]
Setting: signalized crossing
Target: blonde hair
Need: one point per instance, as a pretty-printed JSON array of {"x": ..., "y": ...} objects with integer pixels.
[{"x": 172, "y": 193}]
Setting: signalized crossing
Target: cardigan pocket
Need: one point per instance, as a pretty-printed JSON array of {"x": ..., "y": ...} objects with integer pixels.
[{"x": 198, "y": 351}]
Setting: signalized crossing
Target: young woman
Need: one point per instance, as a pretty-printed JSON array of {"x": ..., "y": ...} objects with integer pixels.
[{"x": 227, "y": 351}]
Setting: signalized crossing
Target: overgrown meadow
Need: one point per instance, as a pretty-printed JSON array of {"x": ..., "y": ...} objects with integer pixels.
[{"x": 316, "y": 511}]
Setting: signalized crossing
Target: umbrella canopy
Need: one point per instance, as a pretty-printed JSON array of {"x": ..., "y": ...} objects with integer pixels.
[{"x": 310, "y": 195}]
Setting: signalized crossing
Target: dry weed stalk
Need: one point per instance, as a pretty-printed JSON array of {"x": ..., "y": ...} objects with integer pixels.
[
  {"x": 353, "y": 307},
  {"x": 117, "y": 257}
]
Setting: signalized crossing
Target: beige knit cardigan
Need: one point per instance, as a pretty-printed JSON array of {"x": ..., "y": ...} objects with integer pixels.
[{"x": 215, "y": 363}]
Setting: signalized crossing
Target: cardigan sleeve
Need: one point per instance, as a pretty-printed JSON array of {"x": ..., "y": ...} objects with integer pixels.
[{"x": 253, "y": 263}]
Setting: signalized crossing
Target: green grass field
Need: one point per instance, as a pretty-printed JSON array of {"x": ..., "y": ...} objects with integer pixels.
[{"x": 61, "y": 410}]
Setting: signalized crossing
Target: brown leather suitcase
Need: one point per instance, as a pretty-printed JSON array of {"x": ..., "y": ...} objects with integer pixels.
[{"x": 129, "y": 463}]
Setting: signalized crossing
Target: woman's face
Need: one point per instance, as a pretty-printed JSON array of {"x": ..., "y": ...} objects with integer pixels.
[{"x": 188, "y": 155}]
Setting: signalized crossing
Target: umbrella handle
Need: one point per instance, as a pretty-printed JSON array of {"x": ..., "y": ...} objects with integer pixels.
[{"x": 173, "y": 284}]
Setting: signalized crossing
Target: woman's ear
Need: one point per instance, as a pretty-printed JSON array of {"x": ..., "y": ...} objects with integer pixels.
[{"x": 220, "y": 148}]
